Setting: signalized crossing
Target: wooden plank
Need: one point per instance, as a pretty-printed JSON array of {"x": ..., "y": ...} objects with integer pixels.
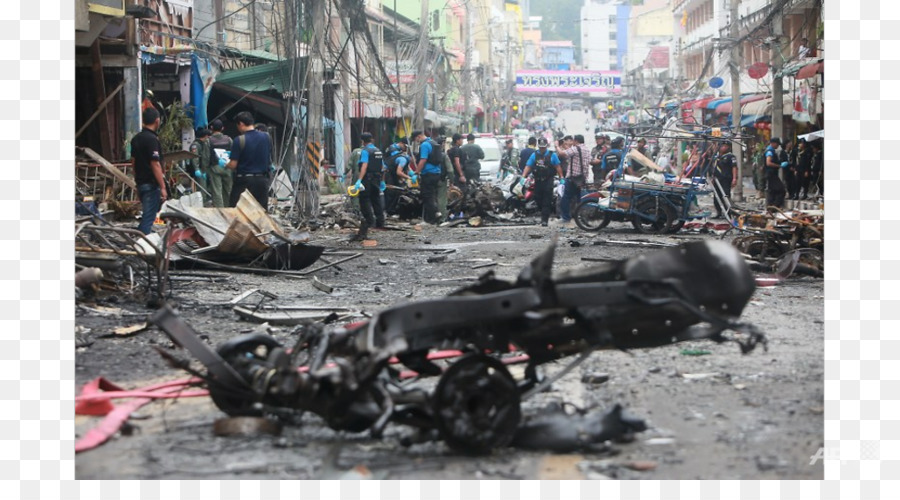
[
  {"x": 635, "y": 155},
  {"x": 100, "y": 108},
  {"x": 110, "y": 167},
  {"x": 100, "y": 92}
]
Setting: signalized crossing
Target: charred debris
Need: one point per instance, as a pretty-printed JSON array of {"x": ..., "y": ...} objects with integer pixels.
[{"x": 441, "y": 366}]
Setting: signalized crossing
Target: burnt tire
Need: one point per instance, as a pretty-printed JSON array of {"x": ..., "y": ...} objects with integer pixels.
[
  {"x": 590, "y": 217},
  {"x": 662, "y": 216},
  {"x": 476, "y": 405}
]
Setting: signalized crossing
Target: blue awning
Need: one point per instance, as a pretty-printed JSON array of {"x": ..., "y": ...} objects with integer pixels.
[
  {"x": 712, "y": 104},
  {"x": 746, "y": 120}
]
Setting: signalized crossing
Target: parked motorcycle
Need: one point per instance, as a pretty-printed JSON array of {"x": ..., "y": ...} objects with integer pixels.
[{"x": 519, "y": 196}]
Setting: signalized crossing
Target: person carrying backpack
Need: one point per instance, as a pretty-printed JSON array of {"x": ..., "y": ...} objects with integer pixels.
[{"x": 430, "y": 167}]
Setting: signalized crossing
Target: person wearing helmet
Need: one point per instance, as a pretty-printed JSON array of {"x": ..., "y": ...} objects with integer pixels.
[
  {"x": 543, "y": 164},
  {"x": 612, "y": 161}
]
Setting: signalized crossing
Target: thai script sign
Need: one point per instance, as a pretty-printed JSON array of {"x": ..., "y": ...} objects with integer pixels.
[{"x": 605, "y": 82}]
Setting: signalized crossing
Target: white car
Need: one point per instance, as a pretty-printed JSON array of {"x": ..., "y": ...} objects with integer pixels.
[{"x": 490, "y": 164}]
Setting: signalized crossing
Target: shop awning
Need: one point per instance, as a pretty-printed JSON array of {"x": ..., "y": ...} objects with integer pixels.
[
  {"x": 373, "y": 109},
  {"x": 276, "y": 75},
  {"x": 725, "y": 107},
  {"x": 810, "y": 70},
  {"x": 803, "y": 68},
  {"x": 275, "y": 110},
  {"x": 763, "y": 107},
  {"x": 714, "y": 103}
]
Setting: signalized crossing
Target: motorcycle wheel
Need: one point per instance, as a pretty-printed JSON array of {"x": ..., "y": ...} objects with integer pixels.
[
  {"x": 476, "y": 405},
  {"x": 664, "y": 216},
  {"x": 589, "y": 217}
]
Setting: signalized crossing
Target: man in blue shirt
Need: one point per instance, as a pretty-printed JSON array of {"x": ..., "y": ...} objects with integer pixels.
[
  {"x": 774, "y": 187},
  {"x": 613, "y": 159},
  {"x": 371, "y": 178},
  {"x": 251, "y": 155},
  {"x": 396, "y": 174},
  {"x": 429, "y": 169},
  {"x": 544, "y": 164}
]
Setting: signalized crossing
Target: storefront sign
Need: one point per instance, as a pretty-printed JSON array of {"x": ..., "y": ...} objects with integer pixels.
[{"x": 603, "y": 82}]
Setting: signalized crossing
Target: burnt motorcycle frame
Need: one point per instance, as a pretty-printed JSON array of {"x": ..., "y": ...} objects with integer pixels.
[{"x": 692, "y": 292}]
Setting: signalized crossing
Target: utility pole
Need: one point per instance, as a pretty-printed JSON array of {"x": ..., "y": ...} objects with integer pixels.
[
  {"x": 308, "y": 191},
  {"x": 467, "y": 76},
  {"x": 736, "y": 100},
  {"x": 397, "y": 72},
  {"x": 422, "y": 70},
  {"x": 777, "y": 83}
]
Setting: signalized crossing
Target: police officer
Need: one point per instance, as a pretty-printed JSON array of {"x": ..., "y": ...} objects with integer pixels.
[
  {"x": 775, "y": 190},
  {"x": 431, "y": 161},
  {"x": 474, "y": 155},
  {"x": 396, "y": 174},
  {"x": 203, "y": 164},
  {"x": 544, "y": 164},
  {"x": 726, "y": 174},
  {"x": 370, "y": 185},
  {"x": 251, "y": 158},
  {"x": 220, "y": 179},
  {"x": 597, "y": 153},
  {"x": 613, "y": 159}
]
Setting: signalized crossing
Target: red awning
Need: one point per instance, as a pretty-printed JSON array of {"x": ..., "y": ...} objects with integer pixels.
[
  {"x": 725, "y": 107},
  {"x": 810, "y": 70}
]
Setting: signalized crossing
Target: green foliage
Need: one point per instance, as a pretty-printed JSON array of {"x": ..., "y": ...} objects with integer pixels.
[{"x": 176, "y": 119}]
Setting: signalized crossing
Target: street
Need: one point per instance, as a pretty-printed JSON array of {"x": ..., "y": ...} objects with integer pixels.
[{"x": 723, "y": 415}]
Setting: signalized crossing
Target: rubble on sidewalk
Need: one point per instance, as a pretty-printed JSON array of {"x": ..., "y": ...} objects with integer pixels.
[{"x": 244, "y": 235}]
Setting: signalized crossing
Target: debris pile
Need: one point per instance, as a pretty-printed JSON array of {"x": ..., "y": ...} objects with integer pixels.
[
  {"x": 245, "y": 236},
  {"x": 784, "y": 242}
]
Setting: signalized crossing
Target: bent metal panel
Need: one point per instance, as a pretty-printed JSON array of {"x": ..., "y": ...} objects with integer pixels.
[{"x": 606, "y": 82}]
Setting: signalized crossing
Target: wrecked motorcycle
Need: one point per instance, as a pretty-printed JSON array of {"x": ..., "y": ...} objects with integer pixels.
[{"x": 346, "y": 375}]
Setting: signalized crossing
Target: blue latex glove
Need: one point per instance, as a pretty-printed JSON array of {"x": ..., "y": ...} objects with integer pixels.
[
  {"x": 413, "y": 177},
  {"x": 222, "y": 162},
  {"x": 205, "y": 177},
  {"x": 382, "y": 186},
  {"x": 521, "y": 181},
  {"x": 198, "y": 174},
  {"x": 784, "y": 164},
  {"x": 359, "y": 185},
  {"x": 562, "y": 182}
]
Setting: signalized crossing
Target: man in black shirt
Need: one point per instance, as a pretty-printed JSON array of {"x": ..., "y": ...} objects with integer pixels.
[
  {"x": 804, "y": 167},
  {"x": 726, "y": 174},
  {"x": 458, "y": 160},
  {"x": 146, "y": 159}
]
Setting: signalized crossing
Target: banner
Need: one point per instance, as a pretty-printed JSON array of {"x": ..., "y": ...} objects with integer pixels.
[
  {"x": 802, "y": 101},
  {"x": 603, "y": 82}
]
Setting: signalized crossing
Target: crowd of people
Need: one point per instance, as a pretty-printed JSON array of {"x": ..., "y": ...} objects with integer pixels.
[
  {"x": 223, "y": 167},
  {"x": 435, "y": 164}
]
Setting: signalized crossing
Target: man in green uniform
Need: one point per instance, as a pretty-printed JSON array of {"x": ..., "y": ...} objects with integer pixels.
[
  {"x": 444, "y": 185},
  {"x": 201, "y": 165},
  {"x": 220, "y": 179},
  {"x": 352, "y": 173}
]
